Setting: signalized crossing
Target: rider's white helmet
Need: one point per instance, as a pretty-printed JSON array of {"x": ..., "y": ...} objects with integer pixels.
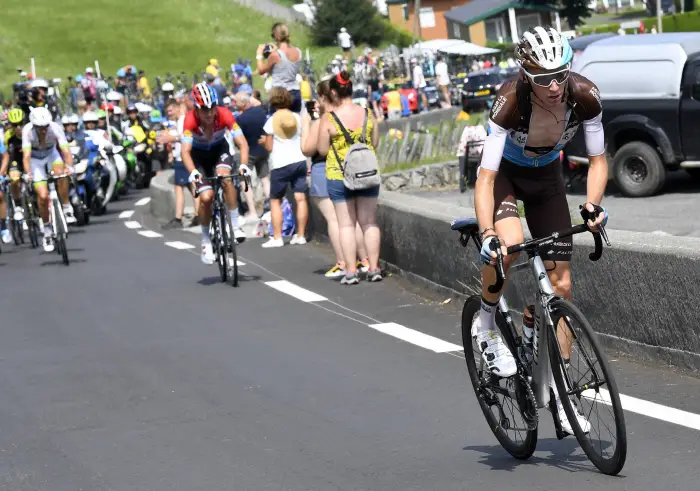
[
  {"x": 39, "y": 83},
  {"x": 117, "y": 111},
  {"x": 543, "y": 47},
  {"x": 70, "y": 119},
  {"x": 143, "y": 108},
  {"x": 40, "y": 116},
  {"x": 90, "y": 117},
  {"x": 114, "y": 96},
  {"x": 168, "y": 87}
]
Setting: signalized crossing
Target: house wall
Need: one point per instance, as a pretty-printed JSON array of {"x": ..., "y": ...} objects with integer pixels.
[
  {"x": 488, "y": 30},
  {"x": 439, "y": 8}
]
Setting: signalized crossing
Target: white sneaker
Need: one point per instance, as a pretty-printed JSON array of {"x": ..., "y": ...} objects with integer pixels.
[
  {"x": 48, "y": 243},
  {"x": 19, "y": 214},
  {"x": 494, "y": 351},
  {"x": 296, "y": 240},
  {"x": 68, "y": 212},
  {"x": 6, "y": 236},
  {"x": 272, "y": 242},
  {"x": 208, "y": 256},
  {"x": 566, "y": 425},
  {"x": 239, "y": 235}
]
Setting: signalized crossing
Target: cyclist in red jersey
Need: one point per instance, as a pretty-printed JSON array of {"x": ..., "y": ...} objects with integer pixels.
[{"x": 204, "y": 146}]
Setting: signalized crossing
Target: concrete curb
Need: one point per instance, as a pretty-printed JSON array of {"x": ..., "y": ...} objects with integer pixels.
[{"x": 640, "y": 296}]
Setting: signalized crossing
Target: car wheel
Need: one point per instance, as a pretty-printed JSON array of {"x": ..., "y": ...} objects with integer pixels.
[{"x": 638, "y": 170}]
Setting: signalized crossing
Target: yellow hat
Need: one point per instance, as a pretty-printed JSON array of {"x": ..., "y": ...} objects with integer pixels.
[
  {"x": 284, "y": 124},
  {"x": 214, "y": 62}
]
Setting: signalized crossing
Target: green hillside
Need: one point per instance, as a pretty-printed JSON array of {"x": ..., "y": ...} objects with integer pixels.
[{"x": 157, "y": 36}]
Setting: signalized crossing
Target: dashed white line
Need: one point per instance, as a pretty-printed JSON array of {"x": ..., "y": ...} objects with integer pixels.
[
  {"x": 650, "y": 409},
  {"x": 295, "y": 291},
  {"x": 142, "y": 201},
  {"x": 132, "y": 224},
  {"x": 416, "y": 337},
  {"x": 179, "y": 245},
  {"x": 126, "y": 214},
  {"x": 150, "y": 234}
]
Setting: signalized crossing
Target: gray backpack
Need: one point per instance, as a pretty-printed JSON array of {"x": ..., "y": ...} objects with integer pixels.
[{"x": 360, "y": 168}]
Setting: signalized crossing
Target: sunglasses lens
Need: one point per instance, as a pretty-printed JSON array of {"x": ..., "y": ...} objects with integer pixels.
[{"x": 546, "y": 79}]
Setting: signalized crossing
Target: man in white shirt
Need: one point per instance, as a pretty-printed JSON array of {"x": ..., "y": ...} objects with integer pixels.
[
  {"x": 419, "y": 83},
  {"x": 443, "y": 80},
  {"x": 345, "y": 41}
]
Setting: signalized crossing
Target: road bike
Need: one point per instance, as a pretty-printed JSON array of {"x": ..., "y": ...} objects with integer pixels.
[
  {"x": 221, "y": 230},
  {"x": 523, "y": 394},
  {"x": 58, "y": 219}
]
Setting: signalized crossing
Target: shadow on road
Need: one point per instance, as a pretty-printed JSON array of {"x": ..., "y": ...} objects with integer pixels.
[
  {"x": 216, "y": 280},
  {"x": 566, "y": 455},
  {"x": 59, "y": 262}
]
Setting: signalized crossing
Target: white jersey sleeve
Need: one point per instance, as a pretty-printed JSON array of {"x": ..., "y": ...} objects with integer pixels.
[
  {"x": 594, "y": 135},
  {"x": 60, "y": 135},
  {"x": 493, "y": 147},
  {"x": 27, "y": 136}
]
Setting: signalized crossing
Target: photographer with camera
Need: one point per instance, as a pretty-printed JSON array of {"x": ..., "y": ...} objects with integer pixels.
[{"x": 282, "y": 61}]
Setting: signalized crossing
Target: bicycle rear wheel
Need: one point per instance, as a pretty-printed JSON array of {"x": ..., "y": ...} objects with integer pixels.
[
  {"x": 591, "y": 386},
  {"x": 507, "y": 422},
  {"x": 61, "y": 231}
]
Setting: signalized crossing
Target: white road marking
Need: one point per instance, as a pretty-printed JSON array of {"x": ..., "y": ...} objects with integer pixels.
[
  {"x": 415, "y": 337},
  {"x": 132, "y": 224},
  {"x": 126, "y": 214},
  {"x": 179, "y": 245},
  {"x": 295, "y": 291},
  {"x": 142, "y": 201},
  {"x": 150, "y": 234},
  {"x": 650, "y": 409}
]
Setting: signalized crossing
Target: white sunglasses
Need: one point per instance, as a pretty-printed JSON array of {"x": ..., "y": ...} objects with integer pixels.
[{"x": 546, "y": 79}]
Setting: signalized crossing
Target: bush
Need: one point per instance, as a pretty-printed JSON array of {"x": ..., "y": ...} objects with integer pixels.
[
  {"x": 687, "y": 22},
  {"x": 396, "y": 35}
]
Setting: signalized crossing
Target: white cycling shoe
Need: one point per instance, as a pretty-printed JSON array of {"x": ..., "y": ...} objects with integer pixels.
[
  {"x": 6, "y": 236},
  {"x": 239, "y": 235},
  {"x": 70, "y": 216},
  {"x": 19, "y": 214},
  {"x": 580, "y": 418},
  {"x": 494, "y": 351},
  {"x": 48, "y": 243},
  {"x": 208, "y": 256}
]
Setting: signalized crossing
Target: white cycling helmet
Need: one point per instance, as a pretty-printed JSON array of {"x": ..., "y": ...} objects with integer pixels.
[
  {"x": 70, "y": 119},
  {"x": 143, "y": 108},
  {"x": 114, "y": 96},
  {"x": 40, "y": 116},
  {"x": 117, "y": 111},
  {"x": 168, "y": 87},
  {"x": 39, "y": 83},
  {"x": 90, "y": 117},
  {"x": 543, "y": 47}
]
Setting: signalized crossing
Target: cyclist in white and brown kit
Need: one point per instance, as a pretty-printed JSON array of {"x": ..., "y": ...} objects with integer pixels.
[{"x": 534, "y": 116}]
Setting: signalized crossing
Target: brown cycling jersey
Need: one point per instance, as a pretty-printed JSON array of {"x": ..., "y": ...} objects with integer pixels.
[{"x": 512, "y": 112}]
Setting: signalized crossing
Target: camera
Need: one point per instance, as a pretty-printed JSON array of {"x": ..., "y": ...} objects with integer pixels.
[
  {"x": 267, "y": 50},
  {"x": 313, "y": 109}
]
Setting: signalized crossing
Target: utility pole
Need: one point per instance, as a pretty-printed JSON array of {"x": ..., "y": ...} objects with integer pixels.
[{"x": 659, "y": 24}]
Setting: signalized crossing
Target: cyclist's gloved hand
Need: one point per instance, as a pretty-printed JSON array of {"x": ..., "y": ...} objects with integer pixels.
[
  {"x": 243, "y": 169},
  {"x": 27, "y": 178},
  {"x": 3, "y": 179},
  {"x": 195, "y": 176},
  {"x": 486, "y": 251},
  {"x": 601, "y": 219}
]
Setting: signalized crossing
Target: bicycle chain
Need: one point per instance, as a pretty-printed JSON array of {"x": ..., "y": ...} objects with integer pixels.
[{"x": 530, "y": 414}]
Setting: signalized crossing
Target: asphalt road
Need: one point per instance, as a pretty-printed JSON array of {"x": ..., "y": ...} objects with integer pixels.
[
  {"x": 674, "y": 211},
  {"x": 135, "y": 369}
]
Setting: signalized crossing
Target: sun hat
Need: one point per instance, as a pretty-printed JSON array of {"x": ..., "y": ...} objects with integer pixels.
[{"x": 284, "y": 124}]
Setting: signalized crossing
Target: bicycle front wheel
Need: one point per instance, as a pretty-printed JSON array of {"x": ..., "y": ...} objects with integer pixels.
[
  {"x": 590, "y": 384},
  {"x": 217, "y": 239},
  {"x": 497, "y": 397},
  {"x": 230, "y": 249}
]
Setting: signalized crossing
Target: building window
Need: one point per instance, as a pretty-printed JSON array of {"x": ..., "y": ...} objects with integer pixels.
[
  {"x": 404, "y": 11},
  {"x": 427, "y": 17},
  {"x": 527, "y": 21},
  {"x": 496, "y": 30},
  {"x": 456, "y": 31}
]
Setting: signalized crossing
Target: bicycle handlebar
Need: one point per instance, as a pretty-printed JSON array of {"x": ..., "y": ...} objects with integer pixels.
[
  {"x": 218, "y": 179},
  {"x": 534, "y": 244}
]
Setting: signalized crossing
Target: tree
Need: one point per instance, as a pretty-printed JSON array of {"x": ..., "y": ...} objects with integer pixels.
[
  {"x": 359, "y": 17},
  {"x": 574, "y": 11}
]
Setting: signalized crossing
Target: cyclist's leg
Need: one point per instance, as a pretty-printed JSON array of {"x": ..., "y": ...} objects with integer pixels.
[
  {"x": 38, "y": 170},
  {"x": 224, "y": 167},
  {"x": 62, "y": 185},
  {"x": 495, "y": 352},
  {"x": 6, "y": 236},
  {"x": 207, "y": 166}
]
